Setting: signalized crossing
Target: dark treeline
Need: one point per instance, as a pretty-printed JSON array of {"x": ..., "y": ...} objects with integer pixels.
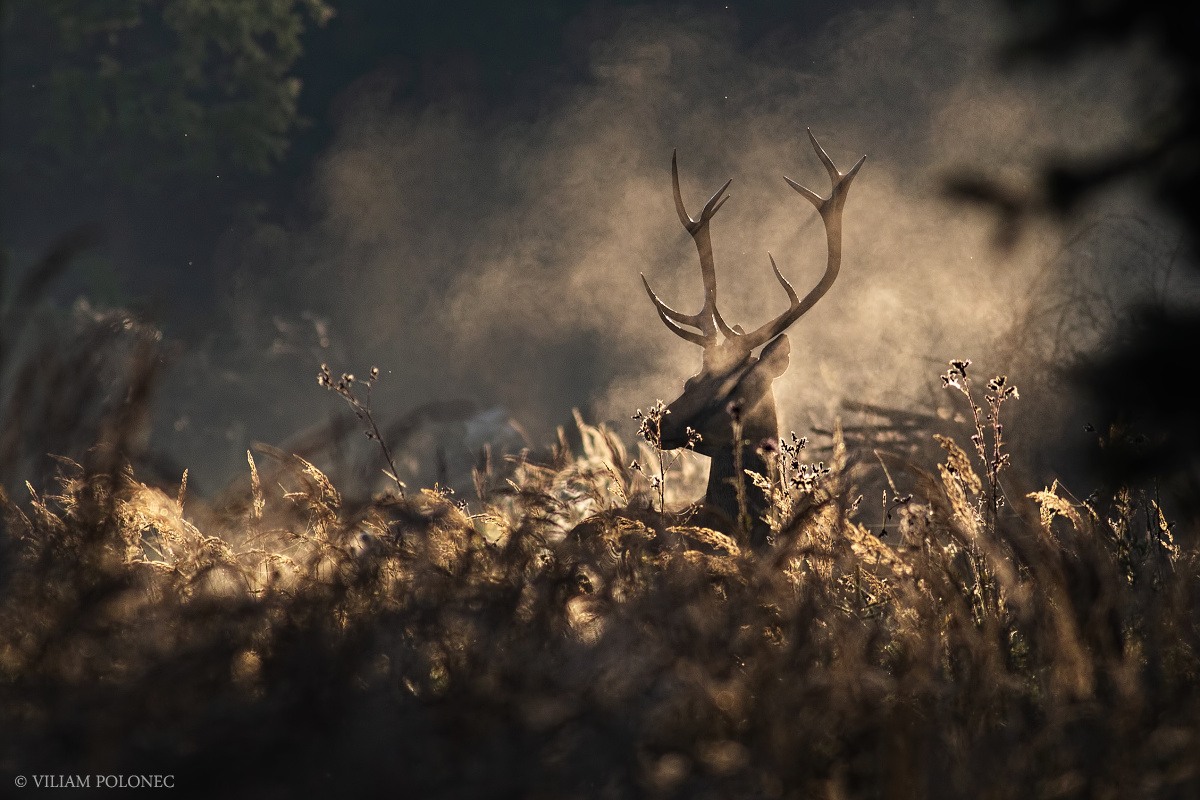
[{"x": 174, "y": 125}]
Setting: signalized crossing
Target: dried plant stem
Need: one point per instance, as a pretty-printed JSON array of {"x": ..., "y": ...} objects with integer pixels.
[
  {"x": 739, "y": 480},
  {"x": 344, "y": 387},
  {"x": 650, "y": 429}
]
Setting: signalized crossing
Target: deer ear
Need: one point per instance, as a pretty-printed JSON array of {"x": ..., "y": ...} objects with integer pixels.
[{"x": 776, "y": 356}]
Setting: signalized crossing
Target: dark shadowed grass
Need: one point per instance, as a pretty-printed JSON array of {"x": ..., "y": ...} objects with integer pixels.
[{"x": 566, "y": 637}]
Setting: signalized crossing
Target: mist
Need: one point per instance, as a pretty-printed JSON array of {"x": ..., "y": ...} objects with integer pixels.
[{"x": 494, "y": 255}]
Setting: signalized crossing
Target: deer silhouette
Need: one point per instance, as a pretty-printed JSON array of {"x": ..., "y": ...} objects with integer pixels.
[{"x": 734, "y": 385}]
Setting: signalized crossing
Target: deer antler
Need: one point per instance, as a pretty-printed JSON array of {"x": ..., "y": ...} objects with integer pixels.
[
  {"x": 708, "y": 321},
  {"x": 830, "y": 209}
]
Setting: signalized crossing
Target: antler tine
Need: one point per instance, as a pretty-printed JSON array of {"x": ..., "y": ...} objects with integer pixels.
[
  {"x": 812, "y": 196},
  {"x": 793, "y": 299},
  {"x": 728, "y": 332},
  {"x": 840, "y": 180},
  {"x": 834, "y": 175},
  {"x": 830, "y": 209},
  {"x": 708, "y": 321},
  {"x": 710, "y": 208},
  {"x": 670, "y": 316}
]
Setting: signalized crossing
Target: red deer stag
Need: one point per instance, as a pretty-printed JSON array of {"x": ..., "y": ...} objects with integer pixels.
[{"x": 732, "y": 381}]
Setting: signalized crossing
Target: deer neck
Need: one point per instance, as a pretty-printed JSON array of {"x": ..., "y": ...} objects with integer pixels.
[{"x": 724, "y": 478}]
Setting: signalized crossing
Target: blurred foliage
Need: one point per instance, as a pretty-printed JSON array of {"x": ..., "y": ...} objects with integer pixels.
[
  {"x": 139, "y": 94},
  {"x": 1149, "y": 431},
  {"x": 1165, "y": 152}
]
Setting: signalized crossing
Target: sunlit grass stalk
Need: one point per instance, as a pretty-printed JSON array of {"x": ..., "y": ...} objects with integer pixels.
[
  {"x": 994, "y": 460},
  {"x": 344, "y": 387},
  {"x": 650, "y": 429}
]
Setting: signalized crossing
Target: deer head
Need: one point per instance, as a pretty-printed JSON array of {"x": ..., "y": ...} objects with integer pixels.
[{"x": 733, "y": 384}]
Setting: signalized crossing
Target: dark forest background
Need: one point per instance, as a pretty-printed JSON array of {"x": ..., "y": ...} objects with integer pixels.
[{"x": 169, "y": 125}]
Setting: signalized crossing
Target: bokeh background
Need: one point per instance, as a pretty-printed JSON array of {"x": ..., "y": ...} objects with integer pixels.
[{"x": 464, "y": 194}]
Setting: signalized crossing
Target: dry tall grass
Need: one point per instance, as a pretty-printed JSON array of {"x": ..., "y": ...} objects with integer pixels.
[{"x": 566, "y": 637}]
